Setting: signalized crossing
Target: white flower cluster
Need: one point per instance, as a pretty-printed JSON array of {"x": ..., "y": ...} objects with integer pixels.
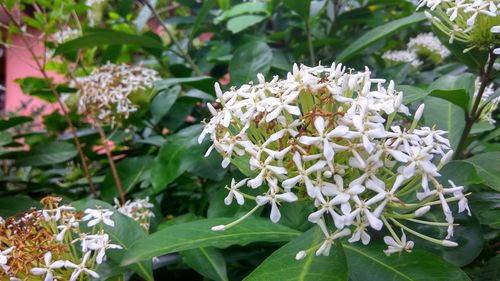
[
  {"x": 402, "y": 56},
  {"x": 424, "y": 45},
  {"x": 427, "y": 44},
  {"x": 328, "y": 135},
  {"x": 105, "y": 94},
  {"x": 469, "y": 21},
  {"x": 66, "y": 34},
  {"x": 137, "y": 209},
  {"x": 489, "y": 102},
  {"x": 60, "y": 224}
]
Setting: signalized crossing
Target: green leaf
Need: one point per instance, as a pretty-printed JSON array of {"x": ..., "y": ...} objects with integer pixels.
[
  {"x": 488, "y": 168},
  {"x": 209, "y": 262},
  {"x": 163, "y": 101},
  {"x": 456, "y": 89},
  {"x": 411, "y": 94},
  {"x": 301, "y": 7},
  {"x": 202, "y": 14},
  {"x": 445, "y": 116},
  {"x": 12, "y": 205},
  {"x": 14, "y": 121},
  {"x": 204, "y": 83},
  {"x": 481, "y": 127},
  {"x": 249, "y": 60},
  {"x": 107, "y": 37},
  {"x": 292, "y": 215},
  {"x": 125, "y": 232},
  {"x": 377, "y": 34},
  {"x": 370, "y": 263},
  {"x": 491, "y": 271},
  {"x": 242, "y": 9},
  {"x": 37, "y": 87},
  {"x": 460, "y": 172},
  {"x": 180, "y": 153},
  {"x": 282, "y": 265},
  {"x": 243, "y": 22},
  {"x": 486, "y": 205},
  {"x": 45, "y": 154},
  {"x": 198, "y": 234},
  {"x": 130, "y": 171}
]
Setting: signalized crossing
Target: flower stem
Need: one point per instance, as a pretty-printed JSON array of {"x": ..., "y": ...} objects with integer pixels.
[
  {"x": 112, "y": 165},
  {"x": 475, "y": 112}
]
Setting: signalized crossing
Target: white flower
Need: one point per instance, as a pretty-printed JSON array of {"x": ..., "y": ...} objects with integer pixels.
[
  {"x": 49, "y": 266},
  {"x": 427, "y": 44},
  {"x": 303, "y": 175},
  {"x": 100, "y": 244},
  {"x": 95, "y": 216},
  {"x": 234, "y": 193},
  {"x": 80, "y": 268},
  {"x": 273, "y": 200},
  {"x": 324, "y": 249},
  {"x": 398, "y": 246},
  {"x": 70, "y": 224},
  {"x": 402, "y": 57},
  {"x": 4, "y": 258}
]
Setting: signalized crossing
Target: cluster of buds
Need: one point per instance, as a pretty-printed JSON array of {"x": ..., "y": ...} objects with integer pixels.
[
  {"x": 137, "y": 209},
  {"x": 65, "y": 34},
  {"x": 474, "y": 22},
  {"x": 489, "y": 102},
  {"x": 111, "y": 92},
  {"x": 425, "y": 46},
  {"x": 341, "y": 140},
  {"x": 42, "y": 244}
]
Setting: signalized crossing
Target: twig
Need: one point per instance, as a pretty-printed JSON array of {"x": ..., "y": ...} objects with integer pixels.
[
  {"x": 114, "y": 171},
  {"x": 71, "y": 126},
  {"x": 474, "y": 114},
  {"x": 184, "y": 54}
]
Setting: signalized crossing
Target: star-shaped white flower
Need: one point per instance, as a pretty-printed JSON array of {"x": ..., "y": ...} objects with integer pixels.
[
  {"x": 274, "y": 199},
  {"x": 81, "y": 268},
  {"x": 49, "y": 267},
  {"x": 398, "y": 246},
  {"x": 95, "y": 216},
  {"x": 235, "y": 193}
]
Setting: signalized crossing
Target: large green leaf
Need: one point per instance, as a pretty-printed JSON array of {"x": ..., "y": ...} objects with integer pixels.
[
  {"x": 198, "y": 234},
  {"x": 456, "y": 89},
  {"x": 12, "y": 205},
  {"x": 130, "y": 171},
  {"x": 163, "y": 101},
  {"x": 244, "y": 8},
  {"x": 203, "y": 83},
  {"x": 180, "y": 153},
  {"x": 445, "y": 116},
  {"x": 249, "y": 60},
  {"x": 282, "y": 265},
  {"x": 209, "y": 262},
  {"x": 488, "y": 168},
  {"x": 491, "y": 271},
  {"x": 370, "y": 263},
  {"x": 377, "y": 34},
  {"x": 301, "y": 7},
  {"x": 243, "y": 22},
  {"x": 125, "y": 232},
  {"x": 460, "y": 172},
  {"x": 42, "y": 154},
  {"x": 107, "y": 37},
  {"x": 14, "y": 121},
  {"x": 486, "y": 206},
  {"x": 411, "y": 93}
]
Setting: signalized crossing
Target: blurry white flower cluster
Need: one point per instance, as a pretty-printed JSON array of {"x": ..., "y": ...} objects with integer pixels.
[
  {"x": 137, "y": 209},
  {"x": 105, "y": 95},
  {"x": 402, "y": 56},
  {"x": 334, "y": 137},
  {"x": 489, "y": 101},
  {"x": 469, "y": 21},
  {"x": 66, "y": 34},
  {"x": 428, "y": 45},
  {"x": 52, "y": 233},
  {"x": 425, "y": 45}
]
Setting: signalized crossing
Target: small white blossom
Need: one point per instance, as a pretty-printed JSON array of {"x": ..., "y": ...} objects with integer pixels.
[
  {"x": 398, "y": 246},
  {"x": 96, "y": 216},
  {"x": 49, "y": 266}
]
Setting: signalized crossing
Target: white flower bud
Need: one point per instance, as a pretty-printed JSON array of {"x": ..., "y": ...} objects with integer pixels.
[
  {"x": 446, "y": 158},
  {"x": 300, "y": 255},
  {"x": 495, "y": 29},
  {"x": 419, "y": 112},
  {"x": 218, "y": 92},
  {"x": 219, "y": 228},
  {"x": 422, "y": 211},
  {"x": 448, "y": 243},
  {"x": 327, "y": 174}
]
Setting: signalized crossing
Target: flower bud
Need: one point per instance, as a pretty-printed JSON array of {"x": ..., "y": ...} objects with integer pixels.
[
  {"x": 448, "y": 243},
  {"x": 327, "y": 174},
  {"x": 419, "y": 112},
  {"x": 422, "y": 211},
  {"x": 219, "y": 228},
  {"x": 446, "y": 158},
  {"x": 300, "y": 255}
]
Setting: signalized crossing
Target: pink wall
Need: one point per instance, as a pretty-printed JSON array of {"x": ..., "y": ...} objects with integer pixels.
[{"x": 20, "y": 64}]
